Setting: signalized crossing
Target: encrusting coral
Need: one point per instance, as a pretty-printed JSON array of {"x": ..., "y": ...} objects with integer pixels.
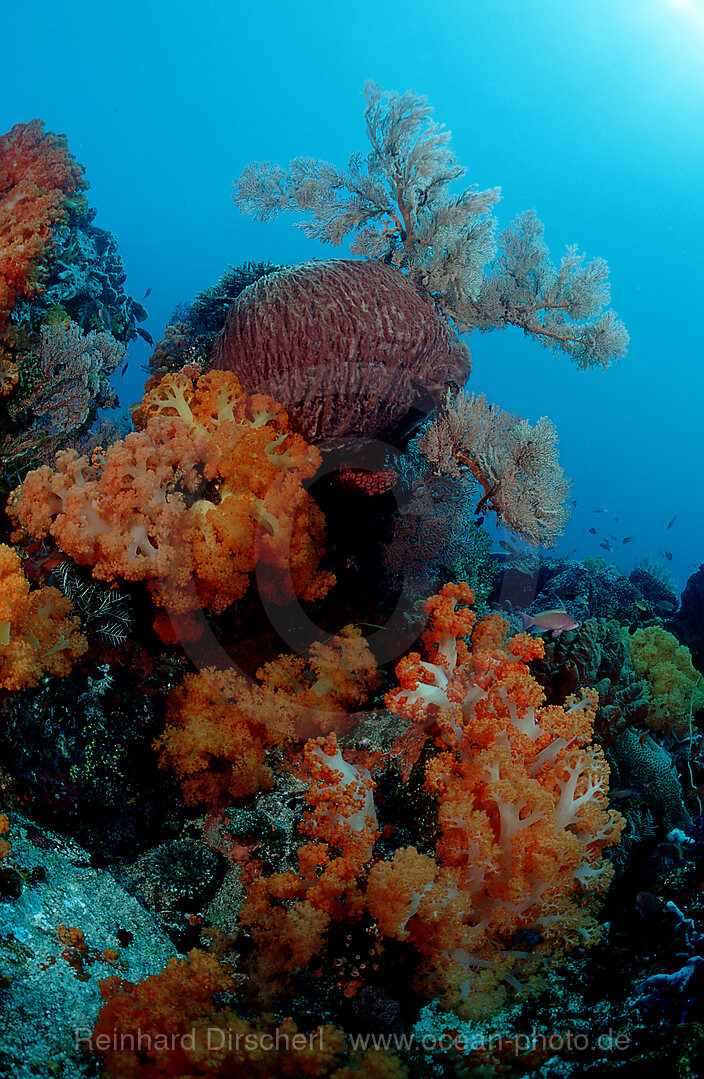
[{"x": 38, "y": 632}]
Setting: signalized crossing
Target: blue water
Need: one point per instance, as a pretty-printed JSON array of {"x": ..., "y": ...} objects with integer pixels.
[{"x": 590, "y": 113}]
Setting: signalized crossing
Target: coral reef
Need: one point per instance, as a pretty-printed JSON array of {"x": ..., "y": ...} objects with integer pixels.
[
  {"x": 300, "y": 837},
  {"x": 37, "y": 178},
  {"x": 62, "y": 302},
  {"x": 512, "y": 879},
  {"x": 656, "y": 587}
]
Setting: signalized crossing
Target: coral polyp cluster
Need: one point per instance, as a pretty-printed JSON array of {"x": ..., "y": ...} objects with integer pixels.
[
  {"x": 219, "y": 724},
  {"x": 338, "y": 815},
  {"x": 523, "y": 812},
  {"x": 210, "y": 486},
  {"x": 39, "y": 633},
  {"x": 37, "y": 177}
]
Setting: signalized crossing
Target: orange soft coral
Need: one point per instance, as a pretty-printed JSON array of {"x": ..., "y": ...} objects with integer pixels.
[
  {"x": 216, "y": 737},
  {"x": 264, "y": 517},
  {"x": 37, "y": 175},
  {"x": 341, "y": 802},
  {"x": 287, "y": 937},
  {"x": 38, "y": 633},
  {"x": 522, "y": 804},
  {"x": 178, "y": 1023},
  {"x": 219, "y": 724},
  {"x": 133, "y": 511},
  {"x": 288, "y": 914},
  {"x": 425, "y": 684},
  {"x": 328, "y": 687},
  {"x": 9, "y": 375},
  {"x": 118, "y": 512}
]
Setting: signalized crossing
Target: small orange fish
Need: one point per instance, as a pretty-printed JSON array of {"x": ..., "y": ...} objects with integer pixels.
[{"x": 556, "y": 621}]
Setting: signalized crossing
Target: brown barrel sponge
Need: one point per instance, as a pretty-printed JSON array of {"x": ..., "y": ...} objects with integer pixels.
[{"x": 348, "y": 348}]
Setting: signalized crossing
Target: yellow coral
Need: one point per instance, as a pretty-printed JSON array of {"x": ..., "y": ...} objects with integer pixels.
[{"x": 676, "y": 687}]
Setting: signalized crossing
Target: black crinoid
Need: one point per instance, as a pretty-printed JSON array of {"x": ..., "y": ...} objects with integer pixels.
[
  {"x": 105, "y": 612},
  {"x": 206, "y": 314}
]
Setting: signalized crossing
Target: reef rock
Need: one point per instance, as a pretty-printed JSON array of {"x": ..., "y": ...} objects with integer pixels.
[
  {"x": 595, "y": 655},
  {"x": 688, "y": 623},
  {"x": 64, "y": 926},
  {"x": 591, "y": 589}
]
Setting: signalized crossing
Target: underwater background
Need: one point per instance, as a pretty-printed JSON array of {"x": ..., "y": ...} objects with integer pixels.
[
  {"x": 588, "y": 113},
  {"x": 428, "y": 769}
]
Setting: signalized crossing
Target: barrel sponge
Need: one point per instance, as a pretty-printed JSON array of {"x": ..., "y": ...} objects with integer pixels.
[{"x": 348, "y": 348}]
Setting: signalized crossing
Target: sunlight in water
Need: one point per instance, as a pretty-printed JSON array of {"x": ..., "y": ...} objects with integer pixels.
[{"x": 693, "y": 8}]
